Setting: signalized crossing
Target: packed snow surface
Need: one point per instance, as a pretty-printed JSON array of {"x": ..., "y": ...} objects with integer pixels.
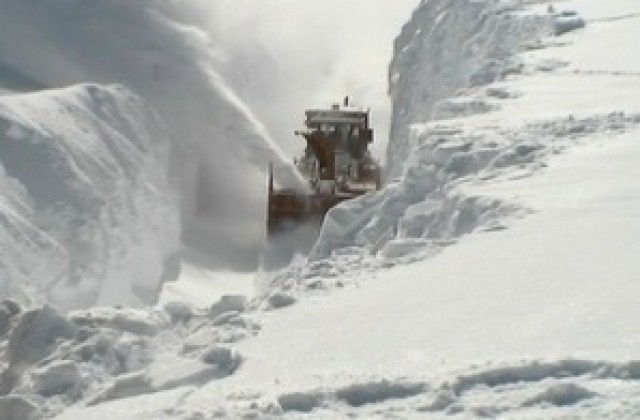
[{"x": 494, "y": 277}]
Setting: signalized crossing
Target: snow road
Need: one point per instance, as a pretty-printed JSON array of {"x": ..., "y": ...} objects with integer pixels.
[
  {"x": 533, "y": 316},
  {"x": 544, "y": 288},
  {"x": 558, "y": 285}
]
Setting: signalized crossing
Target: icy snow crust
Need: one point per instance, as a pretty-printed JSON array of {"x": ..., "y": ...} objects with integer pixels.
[{"x": 524, "y": 194}]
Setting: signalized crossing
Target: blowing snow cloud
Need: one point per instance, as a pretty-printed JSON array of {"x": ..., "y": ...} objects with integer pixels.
[{"x": 219, "y": 73}]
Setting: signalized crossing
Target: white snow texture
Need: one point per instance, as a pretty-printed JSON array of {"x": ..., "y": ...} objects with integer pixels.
[
  {"x": 494, "y": 276},
  {"x": 97, "y": 183}
]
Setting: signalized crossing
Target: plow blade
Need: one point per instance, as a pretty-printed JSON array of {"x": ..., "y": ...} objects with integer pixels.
[{"x": 290, "y": 208}]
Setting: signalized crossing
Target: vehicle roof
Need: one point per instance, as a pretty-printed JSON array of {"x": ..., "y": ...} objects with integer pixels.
[{"x": 349, "y": 115}]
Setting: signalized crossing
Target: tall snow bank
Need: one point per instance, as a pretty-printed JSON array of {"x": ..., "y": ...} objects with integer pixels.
[
  {"x": 87, "y": 215},
  {"x": 156, "y": 49},
  {"x": 448, "y": 47}
]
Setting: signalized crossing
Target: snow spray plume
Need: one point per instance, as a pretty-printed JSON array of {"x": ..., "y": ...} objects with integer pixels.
[
  {"x": 285, "y": 56},
  {"x": 288, "y": 55},
  {"x": 160, "y": 51}
]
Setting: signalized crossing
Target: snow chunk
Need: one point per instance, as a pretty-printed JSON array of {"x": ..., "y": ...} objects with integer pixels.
[
  {"x": 18, "y": 408},
  {"x": 134, "y": 324},
  {"x": 280, "y": 300},
  {"x": 224, "y": 359},
  {"x": 34, "y": 337},
  {"x": 198, "y": 340},
  {"x": 231, "y": 318},
  {"x": 59, "y": 377},
  {"x": 138, "y": 322},
  {"x": 229, "y": 303},
  {"x": 124, "y": 386},
  {"x": 179, "y": 311},
  {"x": 165, "y": 373}
]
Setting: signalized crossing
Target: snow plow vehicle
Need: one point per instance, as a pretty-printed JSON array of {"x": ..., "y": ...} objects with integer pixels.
[{"x": 337, "y": 165}]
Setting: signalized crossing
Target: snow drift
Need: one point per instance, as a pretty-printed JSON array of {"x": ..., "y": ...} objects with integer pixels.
[{"x": 87, "y": 211}]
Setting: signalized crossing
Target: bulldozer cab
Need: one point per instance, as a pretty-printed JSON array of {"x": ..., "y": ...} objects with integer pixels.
[
  {"x": 338, "y": 146},
  {"x": 336, "y": 163},
  {"x": 347, "y": 129}
]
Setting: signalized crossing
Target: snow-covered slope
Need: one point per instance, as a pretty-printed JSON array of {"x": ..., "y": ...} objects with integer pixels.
[
  {"x": 204, "y": 184},
  {"x": 159, "y": 51},
  {"x": 87, "y": 212},
  {"x": 527, "y": 318},
  {"x": 447, "y": 47},
  {"x": 451, "y": 45}
]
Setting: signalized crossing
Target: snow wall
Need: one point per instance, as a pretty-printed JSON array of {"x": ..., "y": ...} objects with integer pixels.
[
  {"x": 86, "y": 213},
  {"x": 449, "y": 46},
  {"x": 448, "y": 49},
  {"x": 211, "y": 149}
]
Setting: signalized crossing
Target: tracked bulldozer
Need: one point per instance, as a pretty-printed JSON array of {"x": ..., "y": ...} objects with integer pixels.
[{"x": 337, "y": 165}]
